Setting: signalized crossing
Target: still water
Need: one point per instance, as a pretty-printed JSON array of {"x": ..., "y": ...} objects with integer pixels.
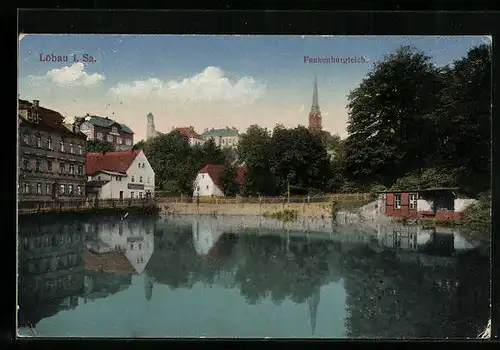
[{"x": 246, "y": 277}]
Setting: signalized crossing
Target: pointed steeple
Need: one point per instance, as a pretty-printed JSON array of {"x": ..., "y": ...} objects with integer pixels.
[
  {"x": 148, "y": 287},
  {"x": 315, "y": 104},
  {"x": 313, "y": 302}
]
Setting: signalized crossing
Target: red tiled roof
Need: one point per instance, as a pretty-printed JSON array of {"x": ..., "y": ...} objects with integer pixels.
[
  {"x": 188, "y": 133},
  {"x": 113, "y": 262},
  {"x": 215, "y": 172},
  {"x": 110, "y": 161}
]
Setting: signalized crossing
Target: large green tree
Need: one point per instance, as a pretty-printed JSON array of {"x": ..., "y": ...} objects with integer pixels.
[
  {"x": 390, "y": 128},
  {"x": 463, "y": 119}
]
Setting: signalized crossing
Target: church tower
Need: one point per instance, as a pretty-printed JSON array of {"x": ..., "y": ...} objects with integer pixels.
[
  {"x": 313, "y": 302},
  {"x": 150, "y": 131},
  {"x": 315, "y": 114},
  {"x": 148, "y": 286}
]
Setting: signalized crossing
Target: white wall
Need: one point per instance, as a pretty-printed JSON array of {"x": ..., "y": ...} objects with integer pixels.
[
  {"x": 424, "y": 205},
  {"x": 116, "y": 183},
  {"x": 206, "y": 186},
  {"x": 205, "y": 234},
  {"x": 462, "y": 203},
  {"x": 88, "y": 129},
  {"x": 193, "y": 141}
]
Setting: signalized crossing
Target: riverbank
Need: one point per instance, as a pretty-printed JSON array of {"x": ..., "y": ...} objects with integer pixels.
[
  {"x": 311, "y": 210},
  {"x": 150, "y": 209}
]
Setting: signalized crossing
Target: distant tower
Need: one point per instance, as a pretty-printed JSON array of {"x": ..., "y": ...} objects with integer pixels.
[
  {"x": 148, "y": 286},
  {"x": 315, "y": 114},
  {"x": 313, "y": 302},
  {"x": 150, "y": 131}
]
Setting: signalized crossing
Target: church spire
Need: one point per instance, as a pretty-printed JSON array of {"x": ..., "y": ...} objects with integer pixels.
[
  {"x": 313, "y": 302},
  {"x": 315, "y": 104}
]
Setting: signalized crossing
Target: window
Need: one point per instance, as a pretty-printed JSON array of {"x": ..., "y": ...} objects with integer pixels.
[
  {"x": 62, "y": 168},
  {"x": 140, "y": 179},
  {"x": 80, "y": 170},
  {"x": 132, "y": 194},
  {"x": 38, "y": 141},
  {"x": 207, "y": 187},
  {"x": 61, "y": 144},
  {"x": 148, "y": 180},
  {"x": 128, "y": 142},
  {"x": 110, "y": 138},
  {"x": 79, "y": 190},
  {"x": 119, "y": 140},
  {"x": 202, "y": 176},
  {"x": 80, "y": 149},
  {"x": 71, "y": 148},
  {"x": 49, "y": 165},
  {"x": 99, "y": 178},
  {"x": 25, "y": 164},
  {"x": 48, "y": 189},
  {"x": 38, "y": 165},
  {"x": 114, "y": 130},
  {"x": 70, "y": 189},
  {"x": 49, "y": 142},
  {"x": 198, "y": 188},
  {"x": 397, "y": 201},
  {"x": 72, "y": 169},
  {"x": 26, "y": 187},
  {"x": 100, "y": 136},
  {"x": 26, "y": 138},
  {"x": 413, "y": 201},
  {"x": 139, "y": 164},
  {"x": 62, "y": 188},
  {"x": 39, "y": 188},
  {"x": 140, "y": 194},
  {"x": 133, "y": 179}
]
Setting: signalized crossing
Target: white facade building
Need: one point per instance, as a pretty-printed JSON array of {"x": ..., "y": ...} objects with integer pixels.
[
  {"x": 207, "y": 181},
  {"x": 119, "y": 175}
]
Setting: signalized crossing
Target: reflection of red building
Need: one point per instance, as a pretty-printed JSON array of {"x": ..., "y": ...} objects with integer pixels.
[
  {"x": 438, "y": 203},
  {"x": 110, "y": 262}
]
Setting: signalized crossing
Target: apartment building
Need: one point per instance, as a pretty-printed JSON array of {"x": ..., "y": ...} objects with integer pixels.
[
  {"x": 106, "y": 129},
  {"x": 51, "y": 156}
]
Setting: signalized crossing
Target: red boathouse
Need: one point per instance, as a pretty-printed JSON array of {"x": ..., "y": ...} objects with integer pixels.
[{"x": 444, "y": 203}]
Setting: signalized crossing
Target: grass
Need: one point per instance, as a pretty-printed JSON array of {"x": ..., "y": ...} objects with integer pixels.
[{"x": 285, "y": 215}]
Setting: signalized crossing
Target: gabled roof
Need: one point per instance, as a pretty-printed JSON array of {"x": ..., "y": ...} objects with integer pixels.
[
  {"x": 50, "y": 120},
  {"x": 215, "y": 172},
  {"x": 220, "y": 132},
  {"x": 118, "y": 162},
  {"x": 189, "y": 133},
  {"x": 113, "y": 262},
  {"x": 106, "y": 122}
]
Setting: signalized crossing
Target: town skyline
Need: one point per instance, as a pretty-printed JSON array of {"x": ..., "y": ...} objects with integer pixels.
[{"x": 236, "y": 82}]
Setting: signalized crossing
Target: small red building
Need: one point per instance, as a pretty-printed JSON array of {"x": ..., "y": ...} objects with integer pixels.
[{"x": 444, "y": 203}]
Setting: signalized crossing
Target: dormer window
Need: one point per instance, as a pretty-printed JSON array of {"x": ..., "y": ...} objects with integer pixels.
[
  {"x": 133, "y": 179},
  {"x": 114, "y": 129}
]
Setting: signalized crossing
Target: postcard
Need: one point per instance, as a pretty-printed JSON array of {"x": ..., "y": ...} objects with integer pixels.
[{"x": 245, "y": 186}]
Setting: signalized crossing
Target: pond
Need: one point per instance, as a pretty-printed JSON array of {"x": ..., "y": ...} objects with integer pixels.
[{"x": 198, "y": 276}]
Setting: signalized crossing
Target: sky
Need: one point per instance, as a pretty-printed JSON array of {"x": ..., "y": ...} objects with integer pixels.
[{"x": 209, "y": 81}]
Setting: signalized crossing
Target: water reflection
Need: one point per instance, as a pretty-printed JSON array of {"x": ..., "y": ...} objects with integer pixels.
[{"x": 389, "y": 281}]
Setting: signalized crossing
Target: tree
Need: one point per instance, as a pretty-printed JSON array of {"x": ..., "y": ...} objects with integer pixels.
[
  {"x": 390, "y": 128},
  {"x": 463, "y": 119},
  {"x": 228, "y": 181},
  {"x": 139, "y": 145},
  {"x": 98, "y": 146}
]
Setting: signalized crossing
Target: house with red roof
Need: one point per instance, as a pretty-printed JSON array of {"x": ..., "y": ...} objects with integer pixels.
[
  {"x": 119, "y": 175},
  {"x": 208, "y": 180},
  {"x": 189, "y": 134}
]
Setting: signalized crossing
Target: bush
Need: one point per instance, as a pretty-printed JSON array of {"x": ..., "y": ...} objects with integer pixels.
[{"x": 477, "y": 217}]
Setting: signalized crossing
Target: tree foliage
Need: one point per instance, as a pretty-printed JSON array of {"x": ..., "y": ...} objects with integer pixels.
[
  {"x": 98, "y": 146},
  {"x": 412, "y": 123}
]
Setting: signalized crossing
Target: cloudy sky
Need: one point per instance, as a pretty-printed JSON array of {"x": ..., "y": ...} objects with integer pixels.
[{"x": 208, "y": 81}]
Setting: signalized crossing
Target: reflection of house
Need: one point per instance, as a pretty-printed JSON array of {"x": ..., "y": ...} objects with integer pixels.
[
  {"x": 439, "y": 203},
  {"x": 125, "y": 174},
  {"x": 124, "y": 240},
  {"x": 313, "y": 302},
  {"x": 208, "y": 180},
  {"x": 106, "y": 129},
  {"x": 227, "y": 137},
  {"x": 51, "y": 275}
]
